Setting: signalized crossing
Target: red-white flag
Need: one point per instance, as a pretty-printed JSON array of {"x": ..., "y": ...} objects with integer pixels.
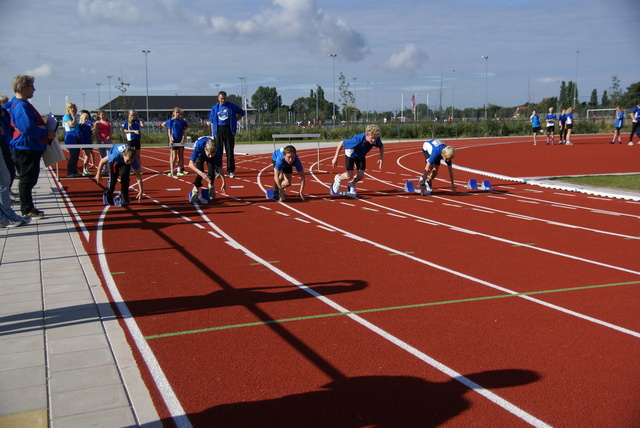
[{"x": 413, "y": 103}]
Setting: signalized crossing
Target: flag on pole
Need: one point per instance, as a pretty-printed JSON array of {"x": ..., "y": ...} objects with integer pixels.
[{"x": 413, "y": 103}]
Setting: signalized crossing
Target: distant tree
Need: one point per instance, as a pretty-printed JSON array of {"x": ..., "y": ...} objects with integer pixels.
[
  {"x": 593, "y": 102},
  {"x": 632, "y": 97},
  {"x": 605, "y": 100},
  {"x": 346, "y": 96},
  {"x": 616, "y": 91},
  {"x": 123, "y": 103}
]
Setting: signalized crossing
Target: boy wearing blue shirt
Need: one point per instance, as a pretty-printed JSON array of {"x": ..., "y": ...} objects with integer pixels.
[
  {"x": 284, "y": 159},
  {"x": 355, "y": 150},
  {"x": 618, "y": 126},
  {"x": 205, "y": 151},
  {"x": 434, "y": 152},
  {"x": 551, "y": 126},
  {"x": 121, "y": 159}
]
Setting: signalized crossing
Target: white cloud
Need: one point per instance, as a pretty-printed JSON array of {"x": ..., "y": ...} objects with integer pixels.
[
  {"x": 111, "y": 10},
  {"x": 407, "y": 61},
  {"x": 293, "y": 21},
  {"x": 44, "y": 70}
]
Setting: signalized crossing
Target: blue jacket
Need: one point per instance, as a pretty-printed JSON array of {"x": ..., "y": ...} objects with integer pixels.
[
  {"x": 227, "y": 113},
  {"x": 30, "y": 132}
]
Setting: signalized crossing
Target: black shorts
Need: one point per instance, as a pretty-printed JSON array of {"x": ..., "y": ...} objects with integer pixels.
[
  {"x": 135, "y": 144},
  {"x": 288, "y": 169},
  {"x": 536, "y": 129},
  {"x": 551, "y": 129},
  {"x": 360, "y": 163},
  {"x": 568, "y": 126}
]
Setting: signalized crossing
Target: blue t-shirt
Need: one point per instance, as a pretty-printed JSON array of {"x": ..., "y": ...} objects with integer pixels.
[
  {"x": 135, "y": 126},
  {"x": 563, "y": 119},
  {"x": 177, "y": 127},
  {"x": 636, "y": 113},
  {"x": 358, "y": 146},
  {"x": 116, "y": 155},
  {"x": 199, "y": 153},
  {"x": 619, "y": 120},
  {"x": 280, "y": 162},
  {"x": 535, "y": 121},
  {"x": 434, "y": 149},
  {"x": 85, "y": 133},
  {"x": 551, "y": 120},
  {"x": 30, "y": 130}
]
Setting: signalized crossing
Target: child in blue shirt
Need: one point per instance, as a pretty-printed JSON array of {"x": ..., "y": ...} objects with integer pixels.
[
  {"x": 205, "y": 151},
  {"x": 551, "y": 126},
  {"x": 176, "y": 127},
  {"x": 618, "y": 125},
  {"x": 121, "y": 159},
  {"x": 355, "y": 150},
  {"x": 535, "y": 126},
  {"x": 434, "y": 152},
  {"x": 284, "y": 159},
  {"x": 86, "y": 136}
]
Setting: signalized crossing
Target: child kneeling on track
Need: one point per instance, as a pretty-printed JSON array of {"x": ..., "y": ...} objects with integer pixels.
[
  {"x": 121, "y": 159},
  {"x": 205, "y": 151},
  {"x": 434, "y": 152},
  {"x": 284, "y": 159},
  {"x": 355, "y": 150}
]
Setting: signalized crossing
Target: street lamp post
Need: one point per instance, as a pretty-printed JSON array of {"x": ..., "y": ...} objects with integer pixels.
[
  {"x": 98, "y": 84},
  {"x": 575, "y": 86},
  {"x": 317, "y": 90},
  {"x": 334, "y": 88},
  {"x": 453, "y": 92},
  {"x": 109, "y": 77},
  {"x": 486, "y": 85},
  {"x": 146, "y": 74},
  {"x": 355, "y": 100}
]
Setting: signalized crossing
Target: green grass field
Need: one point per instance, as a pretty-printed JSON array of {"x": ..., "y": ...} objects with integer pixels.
[{"x": 628, "y": 182}]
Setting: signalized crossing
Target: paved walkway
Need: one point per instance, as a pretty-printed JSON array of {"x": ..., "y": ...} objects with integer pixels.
[{"x": 64, "y": 360}]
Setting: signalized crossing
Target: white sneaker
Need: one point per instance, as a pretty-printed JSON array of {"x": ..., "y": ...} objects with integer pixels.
[
  {"x": 232, "y": 175},
  {"x": 568, "y": 143},
  {"x": 351, "y": 188},
  {"x": 335, "y": 187},
  {"x": 631, "y": 143}
]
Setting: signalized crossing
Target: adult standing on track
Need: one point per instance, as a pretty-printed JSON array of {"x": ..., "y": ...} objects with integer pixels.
[
  {"x": 355, "y": 150},
  {"x": 434, "y": 152},
  {"x": 224, "y": 118},
  {"x": 635, "y": 117},
  {"x": 30, "y": 139}
]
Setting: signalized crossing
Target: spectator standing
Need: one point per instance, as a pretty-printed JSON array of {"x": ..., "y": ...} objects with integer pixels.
[
  {"x": 29, "y": 141},
  {"x": 224, "y": 118}
]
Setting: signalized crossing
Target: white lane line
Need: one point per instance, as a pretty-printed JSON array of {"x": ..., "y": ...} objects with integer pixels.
[{"x": 494, "y": 398}]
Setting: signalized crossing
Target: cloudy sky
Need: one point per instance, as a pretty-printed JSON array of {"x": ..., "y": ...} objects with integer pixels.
[{"x": 392, "y": 48}]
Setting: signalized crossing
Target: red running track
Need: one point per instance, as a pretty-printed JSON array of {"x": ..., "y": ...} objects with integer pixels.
[{"x": 505, "y": 308}]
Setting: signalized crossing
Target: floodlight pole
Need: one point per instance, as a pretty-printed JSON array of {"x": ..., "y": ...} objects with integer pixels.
[
  {"x": 146, "y": 73},
  {"x": 486, "y": 85},
  {"x": 334, "y": 87}
]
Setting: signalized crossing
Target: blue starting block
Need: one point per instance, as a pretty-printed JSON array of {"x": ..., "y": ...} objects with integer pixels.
[
  {"x": 269, "y": 194},
  {"x": 473, "y": 185},
  {"x": 409, "y": 187},
  {"x": 486, "y": 185}
]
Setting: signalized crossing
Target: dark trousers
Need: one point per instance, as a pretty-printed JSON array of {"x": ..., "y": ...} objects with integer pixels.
[
  {"x": 8, "y": 161},
  {"x": 225, "y": 139},
  {"x": 211, "y": 171},
  {"x": 28, "y": 165},
  {"x": 634, "y": 129},
  {"x": 72, "y": 163},
  {"x": 119, "y": 171}
]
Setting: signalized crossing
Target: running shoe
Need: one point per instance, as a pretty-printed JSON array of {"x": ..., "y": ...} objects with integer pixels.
[
  {"x": 335, "y": 187},
  {"x": 351, "y": 188},
  {"x": 232, "y": 175}
]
